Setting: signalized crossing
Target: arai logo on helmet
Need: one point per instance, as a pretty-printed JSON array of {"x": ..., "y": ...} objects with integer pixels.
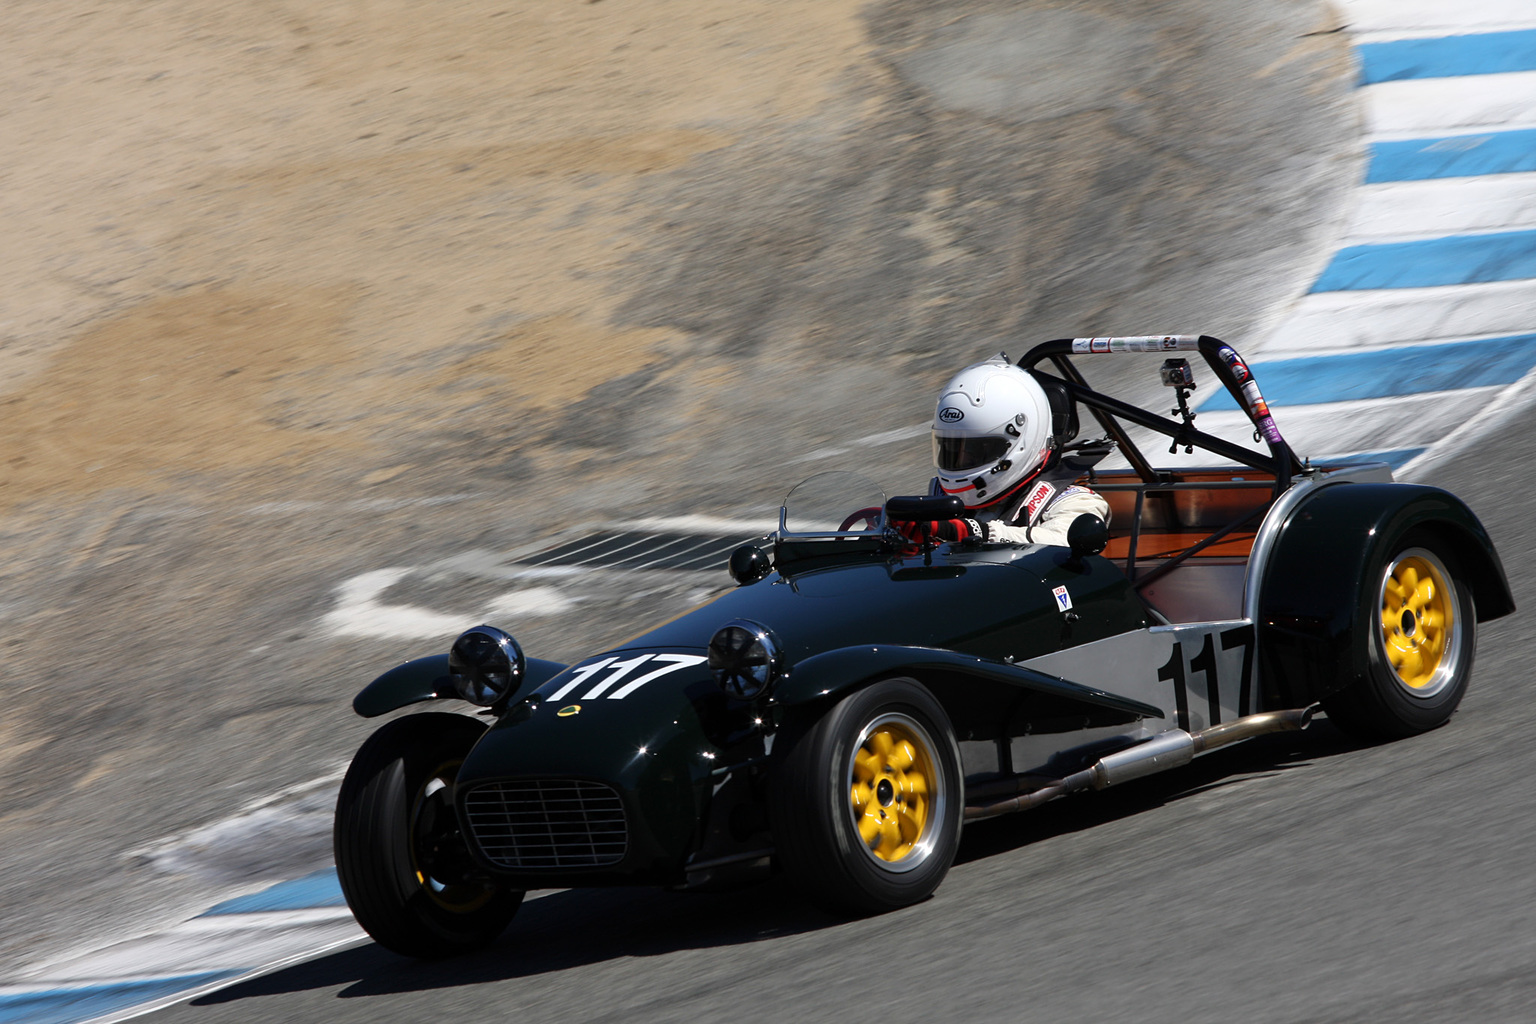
[{"x": 949, "y": 414}]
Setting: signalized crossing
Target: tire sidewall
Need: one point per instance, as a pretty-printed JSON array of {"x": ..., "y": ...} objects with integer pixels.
[{"x": 373, "y": 839}]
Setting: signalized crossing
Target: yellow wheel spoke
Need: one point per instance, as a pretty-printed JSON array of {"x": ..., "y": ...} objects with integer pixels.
[
  {"x": 881, "y": 742},
  {"x": 865, "y": 766},
  {"x": 862, "y": 794},
  {"x": 890, "y": 837},
  {"x": 869, "y": 828},
  {"x": 911, "y": 825}
]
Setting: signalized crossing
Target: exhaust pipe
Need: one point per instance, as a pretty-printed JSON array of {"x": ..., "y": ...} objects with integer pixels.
[{"x": 1166, "y": 750}]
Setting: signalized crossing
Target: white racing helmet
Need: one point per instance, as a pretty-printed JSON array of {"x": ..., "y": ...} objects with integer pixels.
[{"x": 991, "y": 430}]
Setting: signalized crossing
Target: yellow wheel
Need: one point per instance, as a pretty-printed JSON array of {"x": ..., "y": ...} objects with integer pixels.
[
  {"x": 1420, "y": 631},
  {"x": 1411, "y": 645},
  {"x": 891, "y": 776},
  {"x": 865, "y": 803}
]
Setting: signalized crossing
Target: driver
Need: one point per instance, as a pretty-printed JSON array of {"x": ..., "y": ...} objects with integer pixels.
[{"x": 993, "y": 447}]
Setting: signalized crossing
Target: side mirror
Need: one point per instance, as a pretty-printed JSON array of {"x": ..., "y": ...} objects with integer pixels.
[
  {"x": 924, "y": 508},
  {"x": 1087, "y": 535}
]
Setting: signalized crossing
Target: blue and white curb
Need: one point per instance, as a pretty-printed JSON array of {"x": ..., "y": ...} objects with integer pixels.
[
  {"x": 238, "y": 938},
  {"x": 1420, "y": 334}
]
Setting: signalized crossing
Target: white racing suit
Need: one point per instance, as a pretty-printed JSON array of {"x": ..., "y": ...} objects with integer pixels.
[{"x": 1042, "y": 512}]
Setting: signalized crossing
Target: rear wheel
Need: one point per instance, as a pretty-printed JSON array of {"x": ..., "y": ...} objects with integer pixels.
[
  {"x": 1420, "y": 634},
  {"x": 867, "y": 803},
  {"x": 402, "y": 860}
]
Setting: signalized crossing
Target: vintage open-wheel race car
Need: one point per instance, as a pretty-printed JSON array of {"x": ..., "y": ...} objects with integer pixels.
[{"x": 858, "y": 697}]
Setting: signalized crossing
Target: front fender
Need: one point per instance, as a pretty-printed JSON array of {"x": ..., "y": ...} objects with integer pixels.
[
  {"x": 1313, "y": 600},
  {"x": 428, "y": 679},
  {"x": 979, "y": 695}
]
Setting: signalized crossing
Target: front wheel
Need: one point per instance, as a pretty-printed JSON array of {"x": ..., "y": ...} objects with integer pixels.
[
  {"x": 1420, "y": 632},
  {"x": 401, "y": 858},
  {"x": 866, "y": 804}
]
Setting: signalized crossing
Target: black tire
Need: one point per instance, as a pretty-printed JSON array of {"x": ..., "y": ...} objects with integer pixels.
[
  {"x": 818, "y": 802},
  {"x": 404, "y": 868},
  {"x": 1418, "y": 653}
]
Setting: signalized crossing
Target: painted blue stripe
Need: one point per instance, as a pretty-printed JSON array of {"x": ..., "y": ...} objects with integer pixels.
[
  {"x": 69, "y": 1005},
  {"x": 1487, "y": 53},
  {"x": 1457, "y": 259},
  {"x": 1396, "y": 458},
  {"x": 1390, "y": 372},
  {"x": 321, "y": 889},
  {"x": 1454, "y": 156}
]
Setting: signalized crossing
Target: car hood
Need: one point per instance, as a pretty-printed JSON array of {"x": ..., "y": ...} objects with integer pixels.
[{"x": 968, "y": 603}]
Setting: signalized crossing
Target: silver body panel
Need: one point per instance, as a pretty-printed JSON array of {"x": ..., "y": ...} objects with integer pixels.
[{"x": 1200, "y": 673}]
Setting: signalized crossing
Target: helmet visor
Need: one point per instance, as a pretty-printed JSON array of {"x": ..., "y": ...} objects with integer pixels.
[{"x": 963, "y": 454}]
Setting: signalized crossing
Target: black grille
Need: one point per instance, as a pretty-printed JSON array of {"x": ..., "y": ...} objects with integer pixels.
[{"x": 547, "y": 823}]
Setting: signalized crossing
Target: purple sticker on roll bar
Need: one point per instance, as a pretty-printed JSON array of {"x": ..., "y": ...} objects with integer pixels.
[{"x": 1257, "y": 408}]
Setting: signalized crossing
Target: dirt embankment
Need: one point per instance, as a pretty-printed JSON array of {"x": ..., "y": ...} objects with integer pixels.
[{"x": 257, "y": 237}]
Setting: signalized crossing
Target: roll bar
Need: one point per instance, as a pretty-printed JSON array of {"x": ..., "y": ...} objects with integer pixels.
[{"x": 1230, "y": 370}]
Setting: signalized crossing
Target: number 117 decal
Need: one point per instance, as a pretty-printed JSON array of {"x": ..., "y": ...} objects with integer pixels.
[
  {"x": 659, "y": 664},
  {"x": 1206, "y": 664}
]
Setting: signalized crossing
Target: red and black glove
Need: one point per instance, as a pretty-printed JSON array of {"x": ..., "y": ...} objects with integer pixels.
[
  {"x": 958, "y": 531},
  {"x": 954, "y": 531}
]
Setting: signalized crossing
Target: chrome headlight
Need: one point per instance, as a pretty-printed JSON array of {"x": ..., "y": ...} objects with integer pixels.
[
  {"x": 744, "y": 658},
  {"x": 485, "y": 665}
]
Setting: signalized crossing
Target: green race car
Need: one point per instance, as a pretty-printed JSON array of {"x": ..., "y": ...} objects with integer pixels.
[{"x": 866, "y": 690}]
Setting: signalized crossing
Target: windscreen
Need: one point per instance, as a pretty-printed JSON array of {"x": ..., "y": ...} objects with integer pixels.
[{"x": 833, "y": 502}]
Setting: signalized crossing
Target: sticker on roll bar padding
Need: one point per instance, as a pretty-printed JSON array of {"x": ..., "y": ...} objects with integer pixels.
[
  {"x": 1257, "y": 408},
  {"x": 1144, "y": 343}
]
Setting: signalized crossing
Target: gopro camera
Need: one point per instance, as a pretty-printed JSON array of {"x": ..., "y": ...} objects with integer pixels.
[{"x": 1177, "y": 373}]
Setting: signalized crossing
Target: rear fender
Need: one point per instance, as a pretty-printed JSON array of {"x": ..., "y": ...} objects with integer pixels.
[
  {"x": 428, "y": 679},
  {"x": 1314, "y": 598},
  {"x": 980, "y": 696}
]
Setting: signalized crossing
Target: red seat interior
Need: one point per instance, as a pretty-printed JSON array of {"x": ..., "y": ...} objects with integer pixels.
[{"x": 1173, "y": 521}]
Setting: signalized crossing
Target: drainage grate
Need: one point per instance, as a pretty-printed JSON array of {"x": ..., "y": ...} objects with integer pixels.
[{"x": 638, "y": 550}]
